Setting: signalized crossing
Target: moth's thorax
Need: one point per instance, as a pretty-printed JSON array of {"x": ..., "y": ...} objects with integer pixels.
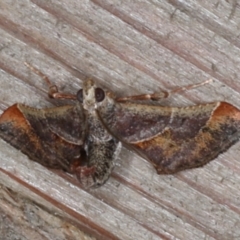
[{"x": 96, "y": 129}]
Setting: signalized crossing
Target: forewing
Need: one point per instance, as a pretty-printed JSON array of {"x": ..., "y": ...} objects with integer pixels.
[
  {"x": 132, "y": 122},
  {"x": 174, "y": 139},
  {"x": 52, "y": 137}
]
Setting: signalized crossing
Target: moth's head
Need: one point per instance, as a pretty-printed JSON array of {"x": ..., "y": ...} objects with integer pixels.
[{"x": 92, "y": 96}]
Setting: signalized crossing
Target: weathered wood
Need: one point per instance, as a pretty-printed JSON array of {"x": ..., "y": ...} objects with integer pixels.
[
  {"x": 25, "y": 215},
  {"x": 131, "y": 47}
]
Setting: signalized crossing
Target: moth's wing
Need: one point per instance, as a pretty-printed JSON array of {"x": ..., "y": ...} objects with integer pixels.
[
  {"x": 174, "y": 139},
  {"x": 52, "y": 137}
]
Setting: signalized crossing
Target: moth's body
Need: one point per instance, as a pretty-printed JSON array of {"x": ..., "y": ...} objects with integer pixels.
[
  {"x": 85, "y": 139},
  {"x": 100, "y": 146}
]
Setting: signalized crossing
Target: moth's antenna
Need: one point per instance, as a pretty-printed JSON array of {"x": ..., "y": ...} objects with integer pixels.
[
  {"x": 190, "y": 87},
  {"x": 163, "y": 94},
  {"x": 39, "y": 73}
]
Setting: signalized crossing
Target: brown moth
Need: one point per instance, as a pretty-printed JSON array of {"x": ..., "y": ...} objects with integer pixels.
[{"x": 85, "y": 138}]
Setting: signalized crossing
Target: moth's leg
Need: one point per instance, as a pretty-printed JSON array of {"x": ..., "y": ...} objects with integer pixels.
[
  {"x": 85, "y": 175},
  {"x": 83, "y": 172},
  {"x": 52, "y": 88},
  {"x": 161, "y": 95}
]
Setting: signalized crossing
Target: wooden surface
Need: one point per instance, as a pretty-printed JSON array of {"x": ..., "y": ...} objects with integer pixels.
[{"x": 130, "y": 47}]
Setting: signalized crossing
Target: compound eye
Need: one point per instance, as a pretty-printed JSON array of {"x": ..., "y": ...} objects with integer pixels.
[
  {"x": 99, "y": 94},
  {"x": 80, "y": 95}
]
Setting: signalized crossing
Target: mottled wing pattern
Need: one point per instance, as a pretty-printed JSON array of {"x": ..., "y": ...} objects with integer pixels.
[
  {"x": 175, "y": 139},
  {"x": 52, "y": 137}
]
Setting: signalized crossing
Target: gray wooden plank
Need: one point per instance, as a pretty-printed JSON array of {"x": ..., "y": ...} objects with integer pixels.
[{"x": 131, "y": 47}]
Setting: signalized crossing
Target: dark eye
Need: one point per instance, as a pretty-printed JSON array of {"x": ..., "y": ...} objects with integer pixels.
[
  {"x": 99, "y": 94},
  {"x": 80, "y": 95}
]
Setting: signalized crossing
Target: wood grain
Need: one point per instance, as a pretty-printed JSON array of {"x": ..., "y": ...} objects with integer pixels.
[{"x": 130, "y": 47}]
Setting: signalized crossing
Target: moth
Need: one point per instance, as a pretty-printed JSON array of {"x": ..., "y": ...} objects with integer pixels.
[{"x": 85, "y": 138}]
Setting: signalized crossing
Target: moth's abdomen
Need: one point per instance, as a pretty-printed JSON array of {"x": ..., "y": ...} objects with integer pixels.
[{"x": 100, "y": 163}]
